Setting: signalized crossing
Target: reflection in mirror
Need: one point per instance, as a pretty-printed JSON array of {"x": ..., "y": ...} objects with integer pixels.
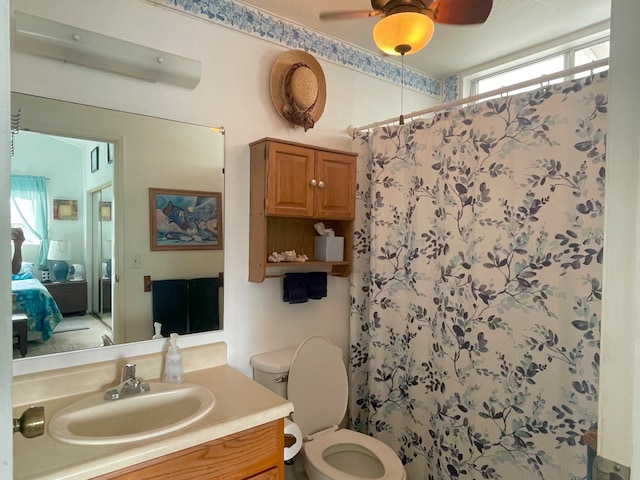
[
  {"x": 101, "y": 248},
  {"x": 98, "y": 166}
]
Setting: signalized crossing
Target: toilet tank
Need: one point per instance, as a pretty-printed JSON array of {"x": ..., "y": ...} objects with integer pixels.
[{"x": 272, "y": 368}]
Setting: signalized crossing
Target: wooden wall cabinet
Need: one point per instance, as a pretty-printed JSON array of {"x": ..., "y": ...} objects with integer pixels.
[
  {"x": 293, "y": 187},
  {"x": 254, "y": 454}
]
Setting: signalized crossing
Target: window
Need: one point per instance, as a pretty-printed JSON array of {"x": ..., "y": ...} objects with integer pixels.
[
  {"x": 28, "y": 208},
  {"x": 17, "y": 220},
  {"x": 545, "y": 66}
]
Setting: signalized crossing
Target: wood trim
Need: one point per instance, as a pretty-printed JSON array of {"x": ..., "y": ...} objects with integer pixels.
[
  {"x": 257, "y": 221},
  {"x": 240, "y": 456},
  {"x": 304, "y": 145}
]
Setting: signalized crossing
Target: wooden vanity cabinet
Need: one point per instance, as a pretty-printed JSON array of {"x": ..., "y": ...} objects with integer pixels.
[
  {"x": 293, "y": 187},
  {"x": 254, "y": 454}
]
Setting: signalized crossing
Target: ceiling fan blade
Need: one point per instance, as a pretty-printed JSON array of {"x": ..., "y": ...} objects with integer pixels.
[
  {"x": 460, "y": 12},
  {"x": 350, "y": 15}
]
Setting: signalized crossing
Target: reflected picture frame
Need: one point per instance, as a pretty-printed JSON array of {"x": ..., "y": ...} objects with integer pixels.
[
  {"x": 110, "y": 152},
  {"x": 65, "y": 209},
  {"x": 105, "y": 211},
  {"x": 185, "y": 219},
  {"x": 95, "y": 158}
]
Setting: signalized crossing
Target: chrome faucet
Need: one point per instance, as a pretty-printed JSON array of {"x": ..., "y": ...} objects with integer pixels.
[{"x": 129, "y": 386}]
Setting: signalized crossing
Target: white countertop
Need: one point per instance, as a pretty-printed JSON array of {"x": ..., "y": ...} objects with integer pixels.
[{"x": 240, "y": 404}]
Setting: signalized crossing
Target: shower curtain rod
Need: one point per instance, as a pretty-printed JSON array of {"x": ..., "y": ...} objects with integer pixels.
[{"x": 474, "y": 98}]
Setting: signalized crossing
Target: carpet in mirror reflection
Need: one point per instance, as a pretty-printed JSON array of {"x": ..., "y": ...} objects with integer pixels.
[{"x": 73, "y": 333}]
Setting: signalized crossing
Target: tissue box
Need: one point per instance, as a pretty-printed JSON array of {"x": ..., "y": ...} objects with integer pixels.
[{"x": 329, "y": 249}]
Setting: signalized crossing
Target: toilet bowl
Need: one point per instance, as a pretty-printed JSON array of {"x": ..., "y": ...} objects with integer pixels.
[{"x": 314, "y": 379}]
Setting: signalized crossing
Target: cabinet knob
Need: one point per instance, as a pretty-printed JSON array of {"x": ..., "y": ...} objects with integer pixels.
[
  {"x": 313, "y": 182},
  {"x": 321, "y": 184}
]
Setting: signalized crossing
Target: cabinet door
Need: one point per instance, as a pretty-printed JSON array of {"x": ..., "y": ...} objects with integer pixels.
[
  {"x": 271, "y": 474},
  {"x": 289, "y": 175},
  {"x": 254, "y": 454},
  {"x": 335, "y": 192}
]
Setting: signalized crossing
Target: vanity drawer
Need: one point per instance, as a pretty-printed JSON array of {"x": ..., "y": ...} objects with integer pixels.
[
  {"x": 271, "y": 474},
  {"x": 254, "y": 454}
]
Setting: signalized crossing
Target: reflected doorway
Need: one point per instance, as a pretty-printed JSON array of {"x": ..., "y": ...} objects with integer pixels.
[
  {"x": 102, "y": 249},
  {"x": 79, "y": 211}
]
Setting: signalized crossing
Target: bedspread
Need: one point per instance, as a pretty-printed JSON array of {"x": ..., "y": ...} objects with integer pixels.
[{"x": 43, "y": 314}]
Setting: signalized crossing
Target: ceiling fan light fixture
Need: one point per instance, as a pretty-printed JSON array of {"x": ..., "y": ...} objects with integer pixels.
[{"x": 403, "y": 33}]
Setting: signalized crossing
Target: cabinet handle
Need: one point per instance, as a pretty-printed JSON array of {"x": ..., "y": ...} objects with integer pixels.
[
  {"x": 313, "y": 182},
  {"x": 321, "y": 184}
]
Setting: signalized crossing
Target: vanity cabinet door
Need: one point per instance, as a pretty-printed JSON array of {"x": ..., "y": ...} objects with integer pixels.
[{"x": 254, "y": 454}]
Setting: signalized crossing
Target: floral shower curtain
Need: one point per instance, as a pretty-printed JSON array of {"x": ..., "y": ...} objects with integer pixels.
[{"x": 476, "y": 288}]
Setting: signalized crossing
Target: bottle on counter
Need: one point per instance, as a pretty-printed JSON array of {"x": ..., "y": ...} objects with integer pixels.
[
  {"x": 173, "y": 371},
  {"x": 157, "y": 327}
]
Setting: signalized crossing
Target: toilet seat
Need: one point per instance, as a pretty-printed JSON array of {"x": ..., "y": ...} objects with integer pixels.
[
  {"x": 318, "y": 388},
  {"x": 315, "y": 452}
]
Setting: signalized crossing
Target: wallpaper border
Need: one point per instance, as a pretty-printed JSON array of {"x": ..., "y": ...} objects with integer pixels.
[{"x": 255, "y": 22}]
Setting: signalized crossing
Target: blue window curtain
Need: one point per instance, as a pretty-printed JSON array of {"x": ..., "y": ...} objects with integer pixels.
[{"x": 34, "y": 190}]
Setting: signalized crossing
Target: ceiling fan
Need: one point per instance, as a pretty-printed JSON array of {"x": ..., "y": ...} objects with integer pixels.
[{"x": 407, "y": 25}]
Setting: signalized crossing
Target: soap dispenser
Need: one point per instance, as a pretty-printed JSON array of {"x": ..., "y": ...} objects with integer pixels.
[
  {"x": 157, "y": 326},
  {"x": 173, "y": 371}
]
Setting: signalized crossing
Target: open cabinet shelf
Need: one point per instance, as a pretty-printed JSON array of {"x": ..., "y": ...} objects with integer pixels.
[{"x": 293, "y": 187}]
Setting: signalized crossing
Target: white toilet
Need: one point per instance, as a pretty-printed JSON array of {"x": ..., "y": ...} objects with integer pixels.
[{"x": 312, "y": 376}]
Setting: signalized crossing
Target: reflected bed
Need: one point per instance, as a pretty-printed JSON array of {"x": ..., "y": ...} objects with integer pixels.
[{"x": 32, "y": 298}]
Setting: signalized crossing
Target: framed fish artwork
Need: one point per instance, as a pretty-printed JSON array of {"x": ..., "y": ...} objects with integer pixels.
[{"x": 185, "y": 219}]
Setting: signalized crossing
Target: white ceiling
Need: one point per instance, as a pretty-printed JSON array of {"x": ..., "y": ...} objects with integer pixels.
[{"x": 512, "y": 26}]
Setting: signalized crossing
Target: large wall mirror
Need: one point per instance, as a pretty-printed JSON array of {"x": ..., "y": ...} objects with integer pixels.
[{"x": 96, "y": 168}]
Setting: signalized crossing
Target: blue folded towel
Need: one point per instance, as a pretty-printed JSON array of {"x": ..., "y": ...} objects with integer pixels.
[
  {"x": 300, "y": 287},
  {"x": 317, "y": 285},
  {"x": 294, "y": 288},
  {"x": 171, "y": 305},
  {"x": 203, "y": 304}
]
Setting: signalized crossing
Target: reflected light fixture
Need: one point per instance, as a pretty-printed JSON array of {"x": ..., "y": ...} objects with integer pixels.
[
  {"x": 47, "y": 38},
  {"x": 403, "y": 33}
]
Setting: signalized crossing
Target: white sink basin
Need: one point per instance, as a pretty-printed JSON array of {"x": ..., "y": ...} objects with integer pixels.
[{"x": 165, "y": 408}]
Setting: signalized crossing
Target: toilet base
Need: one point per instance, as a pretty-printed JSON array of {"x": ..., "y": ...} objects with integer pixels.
[{"x": 295, "y": 471}]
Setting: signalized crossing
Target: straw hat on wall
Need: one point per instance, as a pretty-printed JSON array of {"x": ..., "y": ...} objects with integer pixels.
[{"x": 298, "y": 88}]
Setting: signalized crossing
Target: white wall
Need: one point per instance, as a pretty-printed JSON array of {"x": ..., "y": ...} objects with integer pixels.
[
  {"x": 619, "y": 407},
  {"x": 6, "y": 422},
  {"x": 234, "y": 93}
]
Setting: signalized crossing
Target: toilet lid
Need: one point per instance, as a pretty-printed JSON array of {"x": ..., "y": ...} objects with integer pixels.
[{"x": 317, "y": 385}]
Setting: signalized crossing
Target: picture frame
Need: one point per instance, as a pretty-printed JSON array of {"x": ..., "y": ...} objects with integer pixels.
[
  {"x": 185, "y": 219},
  {"x": 65, "y": 209},
  {"x": 95, "y": 157},
  {"x": 104, "y": 209},
  {"x": 110, "y": 152}
]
